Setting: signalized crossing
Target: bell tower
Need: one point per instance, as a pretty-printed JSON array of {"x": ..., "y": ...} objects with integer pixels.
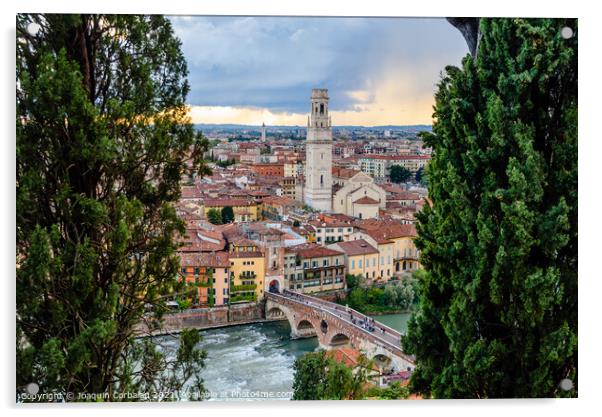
[{"x": 318, "y": 153}]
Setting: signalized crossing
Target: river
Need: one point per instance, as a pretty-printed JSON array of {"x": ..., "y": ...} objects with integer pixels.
[{"x": 255, "y": 361}]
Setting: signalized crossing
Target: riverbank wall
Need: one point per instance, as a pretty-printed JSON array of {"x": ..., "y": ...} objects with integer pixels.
[{"x": 206, "y": 318}]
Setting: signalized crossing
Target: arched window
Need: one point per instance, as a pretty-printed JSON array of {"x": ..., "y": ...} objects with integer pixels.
[
  {"x": 322, "y": 180},
  {"x": 321, "y": 108}
]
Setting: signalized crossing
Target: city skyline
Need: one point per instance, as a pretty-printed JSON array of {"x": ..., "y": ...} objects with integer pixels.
[{"x": 254, "y": 70}]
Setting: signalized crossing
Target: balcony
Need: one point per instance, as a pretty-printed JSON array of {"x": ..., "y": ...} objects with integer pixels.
[
  {"x": 242, "y": 288},
  {"x": 406, "y": 258},
  {"x": 243, "y": 298},
  {"x": 247, "y": 276}
]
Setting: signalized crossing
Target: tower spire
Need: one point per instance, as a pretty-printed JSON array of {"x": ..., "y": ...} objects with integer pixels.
[{"x": 318, "y": 153}]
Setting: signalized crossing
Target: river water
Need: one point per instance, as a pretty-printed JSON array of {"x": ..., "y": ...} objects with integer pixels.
[{"x": 255, "y": 361}]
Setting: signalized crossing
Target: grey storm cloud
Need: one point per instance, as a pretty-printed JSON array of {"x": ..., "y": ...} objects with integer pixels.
[{"x": 273, "y": 62}]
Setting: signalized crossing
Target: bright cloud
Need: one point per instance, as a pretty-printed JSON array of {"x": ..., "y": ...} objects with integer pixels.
[{"x": 260, "y": 69}]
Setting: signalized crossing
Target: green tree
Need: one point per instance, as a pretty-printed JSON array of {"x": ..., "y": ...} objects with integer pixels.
[
  {"x": 422, "y": 176},
  {"x": 399, "y": 174},
  {"x": 319, "y": 377},
  {"x": 227, "y": 215},
  {"x": 103, "y": 142},
  {"x": 405, "y": 294},
  {"x": 214, "y": 216},
  {"x": 395, "y": 391},
  {"x": 498, "y": 303},
  {"x": 357, "y": 299},
  {"x": 390, "y": 296},
  {"x": 296, "y": 223},
  {"x": 353, "y": 281},
  {"x": 309, "y": 376},
  {"x": 338, "y": 382},
  {"x": 375, "y": 296}
]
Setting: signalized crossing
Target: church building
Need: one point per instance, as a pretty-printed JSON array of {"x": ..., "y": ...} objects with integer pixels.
[{"x": 359, "y": 196}]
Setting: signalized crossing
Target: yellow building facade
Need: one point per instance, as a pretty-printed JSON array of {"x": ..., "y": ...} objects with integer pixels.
[
  {"x": 247, "y": 272},
  {"x": 361, "y": 258},
  {"x": 244, "y": 210}
]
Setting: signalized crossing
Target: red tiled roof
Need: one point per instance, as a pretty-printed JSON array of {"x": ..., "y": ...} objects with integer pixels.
[
  {"x": 387, "y": 229},
  {"x": 280, "y": 201},
  {"x": 192, "y": 242},
  {"x": 190, "y": 192},
  {"x": 365, "y": 200},
  {"x": 345, "y": 173},
  {"x": 347, "y": 356},
  {"x": 214, "y": 260},
  {"x": 243, "y": 254},
  {"x": 311, "y": 250},
  {"x": 357, "y": 247},
  {"x": 232, "y": 202}
]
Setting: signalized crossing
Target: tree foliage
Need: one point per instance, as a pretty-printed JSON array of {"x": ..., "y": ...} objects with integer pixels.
[
  {"x": 399, "y": 174},
  {"x": 498, "y": 304},
  {"x": 214, "y": 216},
  {"x": 227, "y": 215},
  {"x": 392, "y": 297},
  {"x": 319, "y": 377},
  {"x": 422, "y": 176},
  {"x": 103, "y": 142},
  {"x": 395, "y": 391}
]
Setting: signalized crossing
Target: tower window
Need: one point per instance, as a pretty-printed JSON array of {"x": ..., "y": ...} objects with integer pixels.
[
  {"x": 322, "y": 180},
  {"x": 321, "y": 108}
]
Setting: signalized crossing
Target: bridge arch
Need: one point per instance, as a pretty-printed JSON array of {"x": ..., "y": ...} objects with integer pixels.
[
  {"x": 310, "y": 317},
  {"x": 340, "y": 340},
  {"x": 383, "y": 362},
  {"x": 275, "y": 313}
]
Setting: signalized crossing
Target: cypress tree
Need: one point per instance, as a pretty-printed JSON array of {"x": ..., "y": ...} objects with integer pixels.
[
  {"x": 103, "y": 143},
  {"x": 498, "y": 304}
]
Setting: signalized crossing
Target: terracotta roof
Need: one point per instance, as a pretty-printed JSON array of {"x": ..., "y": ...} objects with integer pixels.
[
  {"x": 357, "y": 247},
  {"x": 345, "y": 173},
  {"x": 190, "y": 192},
  {"x": 365, "y": 200},
  {"x": 214, "y": 260},
  {"x": 280, "y": 201},
  {"x": 239, "y": 240},
  {"x": 387, "y": 228},
  {"x": 232, "y": 202},
  {"x": 404, "y": 195},
  {"x": 328, "y": 223},
  {"x": 254, "y": 254},
  {"x": 348, "y": 356},
  {"x": 193, "y": 241},
  {"x": 312, "y": 250}
]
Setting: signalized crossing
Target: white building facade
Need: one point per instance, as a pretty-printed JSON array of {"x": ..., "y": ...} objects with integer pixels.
[{"x": 318, "y": 158}]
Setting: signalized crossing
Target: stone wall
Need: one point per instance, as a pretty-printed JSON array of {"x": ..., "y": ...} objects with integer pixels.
[
  {"x": 331, "y": 295},
  {"x": 207, "y": 318}
]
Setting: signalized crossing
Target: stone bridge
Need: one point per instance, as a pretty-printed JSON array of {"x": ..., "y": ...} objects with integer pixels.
[{"x": 337, "y": 326}]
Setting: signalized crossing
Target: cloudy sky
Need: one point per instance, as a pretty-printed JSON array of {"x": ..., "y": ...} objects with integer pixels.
[{"x": 378, "y": 71}]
